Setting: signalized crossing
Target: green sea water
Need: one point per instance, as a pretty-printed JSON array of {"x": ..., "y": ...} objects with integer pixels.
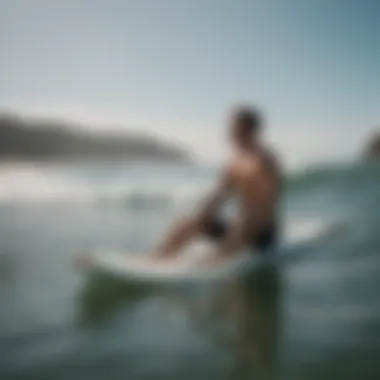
[{"x": 315, "y": 316}]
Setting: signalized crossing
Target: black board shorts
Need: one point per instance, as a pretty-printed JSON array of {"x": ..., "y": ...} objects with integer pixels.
[{"x": 216, "y": 229}]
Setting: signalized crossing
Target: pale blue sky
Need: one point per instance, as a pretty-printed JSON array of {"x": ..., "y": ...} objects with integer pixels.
[{"x": 176, "y": 66}]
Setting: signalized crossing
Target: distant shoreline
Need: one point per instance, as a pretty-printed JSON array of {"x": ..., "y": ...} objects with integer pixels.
[
  {"x": 15, "y": 165},
  {"x": 93, "y": 161},
  {"x": 53, "y": 141}
]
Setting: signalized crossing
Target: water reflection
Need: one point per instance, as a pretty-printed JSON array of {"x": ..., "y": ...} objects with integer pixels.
[
  {"x": 239, "y": 317},
  {"x": 243, "y": 317},
  {"x": 102, "y": 296},
  {"x": 254, "y": 307}
]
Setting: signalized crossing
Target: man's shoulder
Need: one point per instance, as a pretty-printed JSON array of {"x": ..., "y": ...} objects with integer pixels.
[
  {"x": 270, "y": 159},
  {"x": 265, "y": 160}
]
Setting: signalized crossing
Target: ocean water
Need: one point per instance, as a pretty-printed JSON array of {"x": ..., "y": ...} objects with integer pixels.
[{"x": 315, "y": 315}]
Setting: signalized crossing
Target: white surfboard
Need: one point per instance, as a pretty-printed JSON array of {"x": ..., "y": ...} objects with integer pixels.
[
  {"x": 143, "y": 267},
  {"x": 189, "y": 265}
]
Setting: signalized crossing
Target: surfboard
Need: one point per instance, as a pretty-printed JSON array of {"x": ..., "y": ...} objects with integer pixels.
[
  {"x": 143, "y": 267},
  {"x": 189, "y": 264}
]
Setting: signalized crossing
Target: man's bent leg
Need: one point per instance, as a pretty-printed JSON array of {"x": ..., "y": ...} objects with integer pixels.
[{"x": 181, "y": 234}]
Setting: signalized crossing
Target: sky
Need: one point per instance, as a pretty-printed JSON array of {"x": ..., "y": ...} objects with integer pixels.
[{"x": 176, "y": 67}]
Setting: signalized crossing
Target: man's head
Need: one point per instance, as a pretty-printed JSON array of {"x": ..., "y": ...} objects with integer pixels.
[{"x": 245, "y": 126}]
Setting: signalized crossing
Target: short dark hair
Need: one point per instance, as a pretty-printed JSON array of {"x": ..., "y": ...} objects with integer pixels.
[{"x": 249, "y": 117}]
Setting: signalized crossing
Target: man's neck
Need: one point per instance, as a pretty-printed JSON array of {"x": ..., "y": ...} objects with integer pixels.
[{"x": 248, "y": 148}]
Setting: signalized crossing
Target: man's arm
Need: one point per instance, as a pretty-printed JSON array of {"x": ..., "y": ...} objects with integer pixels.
[
  {"x": 214, "y": 201},
  {"x": 184, "y": 231},
  {"x": 242, "y": 227}
]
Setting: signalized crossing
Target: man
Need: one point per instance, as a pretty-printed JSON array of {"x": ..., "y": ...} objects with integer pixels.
[{"x": 252, "y": 176}]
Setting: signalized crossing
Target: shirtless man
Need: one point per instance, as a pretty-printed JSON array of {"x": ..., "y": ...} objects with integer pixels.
[{"x": 252, "y": 176}]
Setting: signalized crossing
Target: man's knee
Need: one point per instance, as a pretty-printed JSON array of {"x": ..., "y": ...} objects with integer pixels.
[
  {"x": 197, "y": 222},
  {"x": 193, "y": 223}
]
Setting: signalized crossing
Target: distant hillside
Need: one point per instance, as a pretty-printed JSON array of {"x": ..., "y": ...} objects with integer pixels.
[{"x": 32, "y": 139}]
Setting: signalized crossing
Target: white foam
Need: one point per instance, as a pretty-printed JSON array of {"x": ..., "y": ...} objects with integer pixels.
[
  {"x": 28, "y": 182},
  {"x": 31, "y": 183}
]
